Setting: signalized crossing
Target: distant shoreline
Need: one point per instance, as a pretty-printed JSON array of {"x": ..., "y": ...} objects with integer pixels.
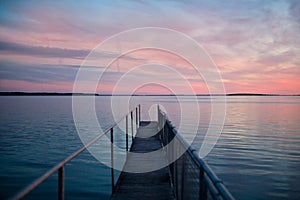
[{"x": 90, "y": 94}]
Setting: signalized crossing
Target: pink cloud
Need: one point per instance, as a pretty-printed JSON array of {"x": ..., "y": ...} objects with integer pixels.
[{"x": 255, "y": 44}]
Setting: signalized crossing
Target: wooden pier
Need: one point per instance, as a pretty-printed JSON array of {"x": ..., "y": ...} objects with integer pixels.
[
  {"x": 149, "y": 185},
  {"x": 160, "y": 164}
]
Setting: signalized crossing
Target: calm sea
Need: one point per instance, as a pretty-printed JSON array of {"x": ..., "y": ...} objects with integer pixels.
[{"x": 257, "y": 155}]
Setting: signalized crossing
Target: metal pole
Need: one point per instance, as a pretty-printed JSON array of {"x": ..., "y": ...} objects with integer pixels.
[
  {"x": 112, "y": 159},
  {"x": 139, "y": 113},
  {"x": 61, "y": 184},
  {"x": 163, "y": 130},
  {"x": 126, "y": 132},
  {"x": 183, "y": 177},
  {"x": 203, "y": 191},
  {"x": 131, "y": 115},
  {"x": 167, "y": 139},
  {"x": 158, "y": 115},
  {"x": 159, "y": 124},
  {"x": 175, "y": 177},
  {"x": 172, "y": 158},
  {"x": 136, "y": 117}
]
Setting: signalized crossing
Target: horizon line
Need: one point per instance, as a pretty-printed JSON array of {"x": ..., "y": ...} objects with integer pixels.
[{"x": 107, "y": 94}]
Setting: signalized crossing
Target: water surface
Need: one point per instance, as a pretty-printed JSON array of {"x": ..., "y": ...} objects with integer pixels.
[{"x": 257, "y": 155}]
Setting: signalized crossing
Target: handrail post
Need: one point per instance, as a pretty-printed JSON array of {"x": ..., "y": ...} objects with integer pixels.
[
  {"x": 126, "y": 132},
  {"x": 203, "y": 191},
  {"x": 183, "y": 176},
  {"x": 163, "y": 124},
  {"x": 158, "y": 117},
  {"x": 139, "y": 113},
  {"x": 112, "y": 159},
  {"x": 61, "y": 184},
  {"x": 159, "y": 124},
  {"x": 175, "y": 176},
  {"x": 131, "y": 115},
  {"x": 136, "y": 117}
]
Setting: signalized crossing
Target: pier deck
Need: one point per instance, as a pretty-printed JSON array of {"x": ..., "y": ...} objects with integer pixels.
[{"x": 147, "y": 185}]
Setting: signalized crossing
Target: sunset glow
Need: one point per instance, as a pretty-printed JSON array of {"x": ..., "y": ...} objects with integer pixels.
[{"x": 255, "y": 44}]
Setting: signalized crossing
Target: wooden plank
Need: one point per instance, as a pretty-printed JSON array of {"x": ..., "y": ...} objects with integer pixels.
[{"x": 149, "y": 185}]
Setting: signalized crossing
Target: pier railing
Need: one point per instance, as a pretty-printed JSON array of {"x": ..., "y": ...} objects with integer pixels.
[
  {"x": 191, "y": 177},
  {"x": 132, "y": 119}
]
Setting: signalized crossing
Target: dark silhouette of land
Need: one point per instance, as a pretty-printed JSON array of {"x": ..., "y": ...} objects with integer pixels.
[
  {"x": 44, "y": 94},
  {"x": 91, "y": 94}
]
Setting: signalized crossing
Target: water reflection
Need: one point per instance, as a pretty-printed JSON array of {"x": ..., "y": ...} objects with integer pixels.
[{"x": 257, "y": 154}]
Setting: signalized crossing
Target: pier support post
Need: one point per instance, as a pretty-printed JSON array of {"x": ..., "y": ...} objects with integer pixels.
[
  {"x": 112, "y": 159},
  {"x": 136, "y": 118},
  {"x": 61, "y": 183},
  {"x": 203, "y": 190},
  {"x": 139, "y": 113},
  {"x": 126, "y": 132},
  {"x": 131, "y": 116},
  {"x": 183, "y": 177}
]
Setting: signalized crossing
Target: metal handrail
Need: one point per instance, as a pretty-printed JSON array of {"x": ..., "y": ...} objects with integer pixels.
[
  {"x": 60, "y": 166},
  {"x": 208, "y": 180}
]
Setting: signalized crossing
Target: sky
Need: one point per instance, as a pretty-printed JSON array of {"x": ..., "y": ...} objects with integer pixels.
[{"x": 254, "y": 44}]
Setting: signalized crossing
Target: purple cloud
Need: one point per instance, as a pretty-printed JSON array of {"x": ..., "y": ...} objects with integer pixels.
[{"x": 15, "y": 48}]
